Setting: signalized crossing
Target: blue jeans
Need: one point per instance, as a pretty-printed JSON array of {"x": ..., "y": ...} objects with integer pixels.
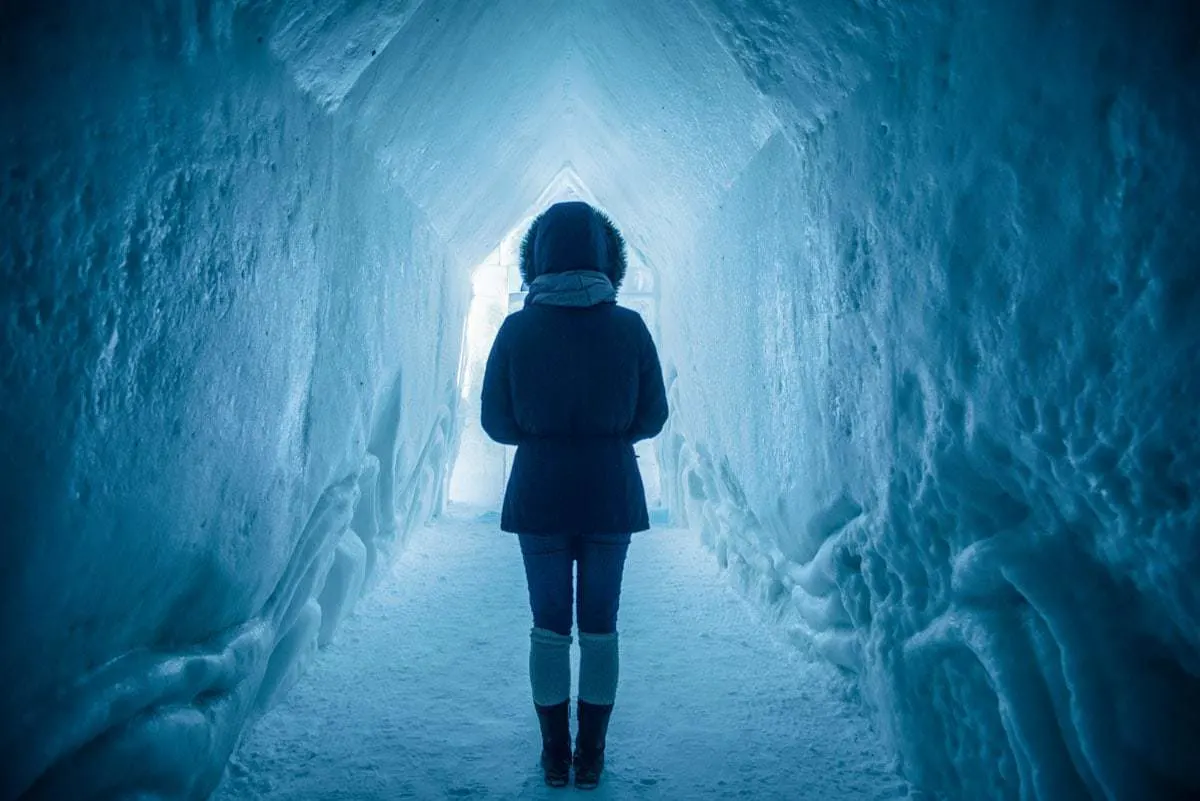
[{"x": 549, "y": 560}]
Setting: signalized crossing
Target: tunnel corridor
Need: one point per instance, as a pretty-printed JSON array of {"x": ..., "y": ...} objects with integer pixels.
[{"x": 925, "y": 287}]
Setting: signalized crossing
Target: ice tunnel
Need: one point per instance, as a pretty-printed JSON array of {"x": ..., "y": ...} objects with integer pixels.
[{"x": 927, "y": 295}]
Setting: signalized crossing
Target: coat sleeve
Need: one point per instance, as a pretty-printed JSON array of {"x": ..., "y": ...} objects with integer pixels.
[
  {"x": 652, "y": 396},
  {"x": 497, "y": 415}
]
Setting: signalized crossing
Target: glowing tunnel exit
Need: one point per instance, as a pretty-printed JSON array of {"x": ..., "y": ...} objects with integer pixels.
[
  {"x": 480, "y": 469},
  {"x": 478, "y": 473}
]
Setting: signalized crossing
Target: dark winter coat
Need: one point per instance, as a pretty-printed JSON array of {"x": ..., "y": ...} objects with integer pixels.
[{"x": 573, "y": 387}]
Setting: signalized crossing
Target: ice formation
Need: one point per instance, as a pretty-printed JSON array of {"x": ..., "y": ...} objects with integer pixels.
[{"x": 927, "y": 296}]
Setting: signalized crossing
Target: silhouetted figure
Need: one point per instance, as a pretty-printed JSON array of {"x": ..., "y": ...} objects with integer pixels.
[{"x": 573, "y": 380}]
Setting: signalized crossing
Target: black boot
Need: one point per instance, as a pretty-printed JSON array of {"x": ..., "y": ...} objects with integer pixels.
[
  {"x": 589, "y": 744},
  {"x": 556, "y": 742}
]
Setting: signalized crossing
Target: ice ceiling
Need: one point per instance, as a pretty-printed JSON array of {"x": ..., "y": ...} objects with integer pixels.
[
  {"x": 477, "y": 108},
  {"x": 928, "y": 309}
]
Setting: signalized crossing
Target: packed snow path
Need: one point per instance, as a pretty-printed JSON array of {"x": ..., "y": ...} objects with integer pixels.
[{"x": 425, "y": 694}]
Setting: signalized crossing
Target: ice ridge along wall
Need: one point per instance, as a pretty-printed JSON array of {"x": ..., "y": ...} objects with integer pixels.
[
  {"x": 227, "y": 390},
  {"x": 935, "y": 373}
]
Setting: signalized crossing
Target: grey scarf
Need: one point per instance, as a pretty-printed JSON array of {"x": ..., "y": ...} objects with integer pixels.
[{"x": 579, "y": 288}]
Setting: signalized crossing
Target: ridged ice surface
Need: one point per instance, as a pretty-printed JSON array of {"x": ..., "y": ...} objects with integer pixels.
[
  {"x": 927, "y": 300},
  {"x": 936, "y": 378},
  {"x": 228, "y": 393}
]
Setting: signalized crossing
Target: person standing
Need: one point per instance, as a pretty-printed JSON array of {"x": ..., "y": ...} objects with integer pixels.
[{"x": 573, "y": 380}]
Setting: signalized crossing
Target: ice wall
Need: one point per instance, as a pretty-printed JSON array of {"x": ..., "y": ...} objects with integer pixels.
[
  {"x": 935, "y": 372},
  {"x": 228, "y": 368}
]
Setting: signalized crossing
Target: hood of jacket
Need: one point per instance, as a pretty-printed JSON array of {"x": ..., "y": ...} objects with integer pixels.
[{"x": 570, "y": 237}]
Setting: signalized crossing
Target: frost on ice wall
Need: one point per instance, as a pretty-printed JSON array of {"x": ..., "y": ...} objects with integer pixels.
[
  {"x": 959, "y": 290},
  {"x": 227, "y": 390}
]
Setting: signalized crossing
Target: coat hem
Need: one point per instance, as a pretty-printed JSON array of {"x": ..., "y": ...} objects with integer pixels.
[{"x": 529, "y": 532}]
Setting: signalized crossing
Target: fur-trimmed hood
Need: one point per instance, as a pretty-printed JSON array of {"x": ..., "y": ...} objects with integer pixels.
[{"x": 573, "y": 236}]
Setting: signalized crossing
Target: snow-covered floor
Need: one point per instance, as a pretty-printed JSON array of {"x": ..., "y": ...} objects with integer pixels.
[{"x": 425, "y": 695}]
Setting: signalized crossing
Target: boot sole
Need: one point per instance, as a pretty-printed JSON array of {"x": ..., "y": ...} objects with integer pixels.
[{"x": 556, "y": 779}]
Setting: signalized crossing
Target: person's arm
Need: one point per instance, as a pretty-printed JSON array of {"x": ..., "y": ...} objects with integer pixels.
[
  {"x": 651, "y": 412},
  {"x": 497, "y": 415}
]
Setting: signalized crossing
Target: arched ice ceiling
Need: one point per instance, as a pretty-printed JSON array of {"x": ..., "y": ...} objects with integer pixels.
[{"x": 476, "y": 107}]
